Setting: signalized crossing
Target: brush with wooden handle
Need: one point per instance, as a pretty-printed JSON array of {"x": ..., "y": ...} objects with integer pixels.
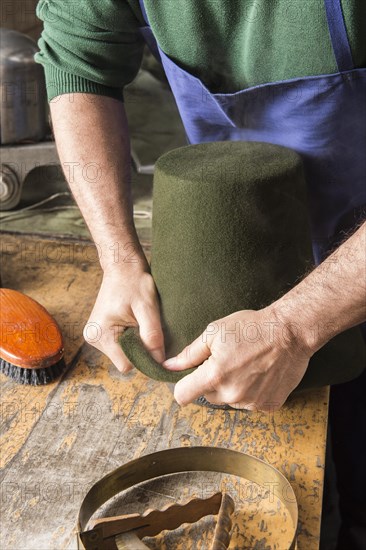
[{"x": 31, "y": 345}]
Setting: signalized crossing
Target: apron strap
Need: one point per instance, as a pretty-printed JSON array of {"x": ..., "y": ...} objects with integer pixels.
[
  {"x": 338, "y": 35},
  {"x": 147, "y": 34},
  {"x": 143, "y": 10}
]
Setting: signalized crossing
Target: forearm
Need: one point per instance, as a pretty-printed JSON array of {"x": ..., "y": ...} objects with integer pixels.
[
  {"x": 331, "y": 299},
  {"x": 93, "y": 144}
]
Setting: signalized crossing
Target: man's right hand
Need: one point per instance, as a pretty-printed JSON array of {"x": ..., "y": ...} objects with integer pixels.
[
  {"x": 124, "y": 300},
  {"x": 93, "y": 144}
]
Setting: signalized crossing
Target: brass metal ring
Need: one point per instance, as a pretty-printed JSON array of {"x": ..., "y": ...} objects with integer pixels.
[{"x": 182, "y": 459}]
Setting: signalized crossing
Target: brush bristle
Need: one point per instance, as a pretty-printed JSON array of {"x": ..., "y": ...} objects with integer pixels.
[{"x": 33, "y": 377}]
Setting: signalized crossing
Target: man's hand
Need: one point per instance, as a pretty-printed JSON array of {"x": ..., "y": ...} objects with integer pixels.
[
  {"x": 248, "y": 360},
  {"x": 254, "y": 359},
  {"x": 125, "y": 299},
  {"x": 93, "y": 144}
]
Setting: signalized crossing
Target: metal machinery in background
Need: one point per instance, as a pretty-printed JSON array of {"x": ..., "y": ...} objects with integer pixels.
[
  {"x": 26, "y": 140},
  {"x": 25, "y": 135}
]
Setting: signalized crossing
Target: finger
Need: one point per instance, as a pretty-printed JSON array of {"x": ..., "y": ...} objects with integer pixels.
[
  {"x": 107, "y": 342},
  {"x": 200, "y": 382},
  {"x": 113, "y": 350},
  {"x": 214, "y": 398},
  {"x": 252, "y": 407},
  {"x": 191, "y": 356},
  {"x": 118, "y": 358},
  {"x": 151, "y": 333},
  {"x": 218, "y": 398},
  {"x": 258, "y": 406}
]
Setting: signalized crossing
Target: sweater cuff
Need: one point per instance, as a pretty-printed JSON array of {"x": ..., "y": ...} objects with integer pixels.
[{"x": 59, "y": 82}]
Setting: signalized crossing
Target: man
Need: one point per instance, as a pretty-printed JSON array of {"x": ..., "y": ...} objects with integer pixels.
[{"x": 285, "y": 72}]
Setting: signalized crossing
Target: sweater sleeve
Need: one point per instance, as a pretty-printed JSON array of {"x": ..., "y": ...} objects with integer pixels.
[{"x": 90, "y": 46}]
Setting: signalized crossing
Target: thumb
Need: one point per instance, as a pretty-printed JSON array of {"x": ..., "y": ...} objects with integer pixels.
[
  {"x": 191, "y": 356},
  {"x": 151, "y": 332}
]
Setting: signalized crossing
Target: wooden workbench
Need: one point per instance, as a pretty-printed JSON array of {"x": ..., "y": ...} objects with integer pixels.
[{"x": 58, "y": 440}]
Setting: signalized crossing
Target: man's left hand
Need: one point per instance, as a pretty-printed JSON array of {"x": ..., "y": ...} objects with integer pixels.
[{"x": 249, "y": 360}]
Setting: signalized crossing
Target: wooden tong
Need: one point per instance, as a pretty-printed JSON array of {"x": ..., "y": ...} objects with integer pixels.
[{"x": 125, "y": 532}]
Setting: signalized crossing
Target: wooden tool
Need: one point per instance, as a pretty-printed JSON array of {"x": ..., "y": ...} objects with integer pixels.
[
  {"x": 128, "y": 530},
  {"x": 224, "y": 524}
]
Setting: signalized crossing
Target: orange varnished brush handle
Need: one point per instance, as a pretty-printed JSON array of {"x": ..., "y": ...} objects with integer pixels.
[{"x": 30, "y": 338}]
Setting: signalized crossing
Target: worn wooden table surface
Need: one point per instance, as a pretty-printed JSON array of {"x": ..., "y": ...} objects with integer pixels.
[{"x": 56, "y": 441}]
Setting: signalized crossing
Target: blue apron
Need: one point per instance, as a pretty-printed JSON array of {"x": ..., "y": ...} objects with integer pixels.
[{"x": 321, "y": 117}]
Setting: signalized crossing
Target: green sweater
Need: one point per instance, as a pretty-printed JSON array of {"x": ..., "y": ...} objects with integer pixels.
[{"x": 95, "y": 46}]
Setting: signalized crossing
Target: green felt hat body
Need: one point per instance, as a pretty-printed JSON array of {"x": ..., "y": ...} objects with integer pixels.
[{"x": 231, "y": 232}]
